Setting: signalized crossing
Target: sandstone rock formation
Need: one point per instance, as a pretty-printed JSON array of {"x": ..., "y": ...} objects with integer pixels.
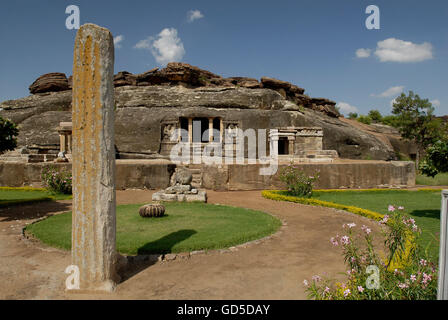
[
  {"x": 50, "y": 82},
  {"x": 144, "y": 100}
]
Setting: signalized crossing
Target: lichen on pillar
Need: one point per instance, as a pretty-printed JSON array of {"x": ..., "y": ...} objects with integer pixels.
[{"x": 94, "y": 217}]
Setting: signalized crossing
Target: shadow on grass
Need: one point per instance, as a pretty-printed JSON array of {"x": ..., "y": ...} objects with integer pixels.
[
  {"x": 149, "y": 253},
  {"x": 166, "y": 243},
  {"x": 435, "y": 214},
  {"x": 32, "y": 210}
]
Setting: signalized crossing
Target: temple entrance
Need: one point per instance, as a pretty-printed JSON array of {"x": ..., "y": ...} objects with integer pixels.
[
  {"x": 200, "y": 126},
  {"x": 283, "y": 146}
]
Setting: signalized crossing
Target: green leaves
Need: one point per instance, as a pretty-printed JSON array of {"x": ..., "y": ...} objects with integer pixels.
[
  {"x": 8, "y": 133},
  {"x": 416, "y": 120},
  {"x": 298, "y": 182},
  {"x": 436, "y": 160}
]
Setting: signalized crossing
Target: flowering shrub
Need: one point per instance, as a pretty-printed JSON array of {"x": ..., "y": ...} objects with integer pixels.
[
  {"x": 404, "y": 274},
  {"x": 57, "y": 181},
  {"x": 298, "y": 182}
]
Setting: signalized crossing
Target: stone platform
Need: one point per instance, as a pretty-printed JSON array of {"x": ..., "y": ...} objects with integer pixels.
[{"x": 200, "y": 195}]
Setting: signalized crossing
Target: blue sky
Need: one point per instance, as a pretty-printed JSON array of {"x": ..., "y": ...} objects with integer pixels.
[{"x": 310, "y": 43}]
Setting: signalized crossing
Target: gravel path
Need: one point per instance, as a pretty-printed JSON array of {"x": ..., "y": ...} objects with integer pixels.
[{"x": 272, "y": 269}]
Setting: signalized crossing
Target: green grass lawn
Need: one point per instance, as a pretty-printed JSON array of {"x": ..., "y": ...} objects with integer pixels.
[
  {"x": 186, "y": 227},
  {"x": 12, "y": 196},
  {"x": 423, "y": 206},
  {"x": 439, "y": 180}
]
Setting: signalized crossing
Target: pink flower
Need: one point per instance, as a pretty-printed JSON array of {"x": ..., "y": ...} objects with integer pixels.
[
  {"x": 391, "y": 208},
  {"x": 334, "y": 241},
  {"x": 423, "y": 262},
  {"x": 327, "y": 290},
  {"x": 316, "y": 278},
  {"x": 360, "y": 289},
  {"x": 426, "y": 278},
  {"x": 400, "y": 208},
  {"x": 366, "y": 229},
  {"x": 413, "y": 277},
  {"x": 305, "y": 283},
  {"x": 385, "y": 219},
  {"x": 347, "y": 293},
  {"x": 403, "y": 285},
  {"x": 345, "y": 240}
]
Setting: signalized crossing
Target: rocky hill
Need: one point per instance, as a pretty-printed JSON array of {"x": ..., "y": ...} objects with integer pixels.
[{"x": 144, "y": 100}]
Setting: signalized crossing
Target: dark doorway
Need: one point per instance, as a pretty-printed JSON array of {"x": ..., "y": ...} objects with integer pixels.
[
  {"x": 200, "y": 125},
  {"x": 184, "y": 129},
  {"x": 283, "y": 146},
  {"x": 216, "y": 130}
]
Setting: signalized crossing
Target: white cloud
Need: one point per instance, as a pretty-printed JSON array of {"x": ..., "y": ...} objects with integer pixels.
[
  {"x": 435, "y": 102},
  {"x": 396, "y": 50},
  {"x": 144, "y": 44},
  {"x": 166, "y": 47},
  {"x": 346, "y": 108},
  {"x": 392, "y": 91},
  {"x": 194, "y": 15},
  {"x": 363, "y": 53},
  {"x": 118, "y": 40}
]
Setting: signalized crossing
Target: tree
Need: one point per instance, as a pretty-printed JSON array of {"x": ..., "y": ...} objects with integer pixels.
[
  {"x": 416, "y": 121},
  {"x": 352, "y": 115},
  {"x": 8, "y": 133},
  {"x": 390, "y": 120},
  {"x": 375, "y": 115},
  {"x": 436, "y": 159},
  {"x": 365, "y": 119}
]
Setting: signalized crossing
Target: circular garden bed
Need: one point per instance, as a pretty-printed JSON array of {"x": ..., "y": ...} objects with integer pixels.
[{"x": 185, "y": 227}]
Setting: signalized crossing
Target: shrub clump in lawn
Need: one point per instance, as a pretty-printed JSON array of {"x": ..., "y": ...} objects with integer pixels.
[
  {"x": 57, "y": 181},
  {"x": 297, "y": 181},
  {"x": 404, "y": 274}
]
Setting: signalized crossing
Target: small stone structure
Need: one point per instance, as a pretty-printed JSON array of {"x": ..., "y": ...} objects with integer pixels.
[
  {"x": 302, "y": 144},
  {"x": 181, "y": 189}
]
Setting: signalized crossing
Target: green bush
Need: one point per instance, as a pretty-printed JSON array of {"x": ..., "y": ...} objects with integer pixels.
[
  {"x": 436, "y": 159},
  {"x": 365, "y": 119},
  {"x": 57, "y": 181},
  {"x": 390, "y": 120},
  {"x": 353, "y": 115},
  {"x": 298, "y": 182},
  {"x": 8, "y": 133},
  {"x": 375, "y": 115}
]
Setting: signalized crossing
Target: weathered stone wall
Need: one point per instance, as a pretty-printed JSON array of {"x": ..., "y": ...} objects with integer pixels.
[
  {"x": 354, "y": 174},
  {"x": 129, "y": 174},
  {"x": 156, "y": 175}
]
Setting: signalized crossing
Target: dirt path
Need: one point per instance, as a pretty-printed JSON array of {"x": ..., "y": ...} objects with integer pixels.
[{"x": 274, "y": 269}]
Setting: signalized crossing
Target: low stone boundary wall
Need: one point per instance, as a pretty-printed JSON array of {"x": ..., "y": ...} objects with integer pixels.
[
  {"x": 351, "y": 174},
  {"x": 152, "y": 174},
  {"x": 129, "y": 174}
]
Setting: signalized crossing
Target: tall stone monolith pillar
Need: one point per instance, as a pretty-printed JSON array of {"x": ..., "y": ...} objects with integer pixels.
[{"x": 93, "y": 154}]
